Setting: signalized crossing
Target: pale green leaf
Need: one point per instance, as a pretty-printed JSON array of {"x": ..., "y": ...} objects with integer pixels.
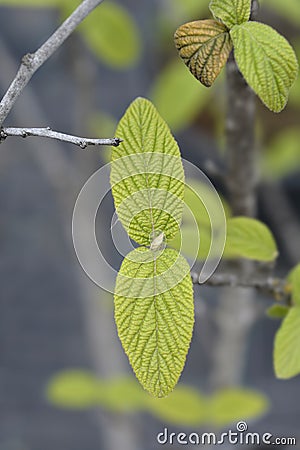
[
  {"x": 294, "y": 278},
  {"x": 73, "y": 389},
  {"x": 112, "y": 35},
  {"x": 267, "y": 62},
  {"x": 249, "y": 238},
  {"x": 282, "y": 156},
  {"x": 193, "y": 241},
  {"x": 231, "y": 12},
  {"x": 277, "y": 311},
  {"x": 147, "y": 175},
  {"x": 185, "y": 406},
  {"x": 204, "y": 46},
  {"x": 154, "y": 314},
  {"x": 233, "y": 404},
  {"x": 178, "y": 109},
  {"x": 287, "y": 346}
]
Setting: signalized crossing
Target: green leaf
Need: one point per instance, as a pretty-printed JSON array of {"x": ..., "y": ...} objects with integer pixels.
[
  {"x": 73, "y": 389},
  {"x": 192, "y": 241},
  {"x": 231, "y": 12},
  {"x": 277, "y": 311},
  {"x": 267, "y": 62},
  {"x": 294, "y": 278},
  {"x": 230, "y": 405},
  {"x": 185, "y": 406},
  {"x": 204, "y": 46},
  {"x": 283, "y": 154},
  {"x": 121, "y": 394},
  {"x": 154, "y": 314},
  {"x": 178, "y": 110},
  {"x": 112, "y": 35},
  {"x": 147, "y": 175},
  {"x": 249, "y": 238},
  {"x": 287, "y": 346}
]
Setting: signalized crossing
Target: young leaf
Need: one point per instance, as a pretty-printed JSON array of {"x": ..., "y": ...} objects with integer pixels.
[
  {"x": 287, "y": 346},
  {"x": 229, "y": 405},
  {"x": 154, "y": 313},
  {"x": 277, "y": 311},
  {"x": 231, "y": 12},
  {"x": 204, "y": 46},
  {"x": 267, "y": 62},
  {"x": 178, "y": 110},
  {"x": 147, "y": 175},
  {"x": 249, "y": 238},
  {"x": 294, "y": 278}
]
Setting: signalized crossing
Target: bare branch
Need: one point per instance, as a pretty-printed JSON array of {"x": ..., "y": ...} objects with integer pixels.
[
  {"x": 277, "y": 287},
  {"x": 48, "y": 133},
  {"x": 31, "y": 62}
]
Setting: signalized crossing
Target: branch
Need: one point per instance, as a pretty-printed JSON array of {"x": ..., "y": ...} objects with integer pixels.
[
  {"x": 48, "y": 133},
  {"x": 277, "y": 287},
  {"x": 31, "y": 62}
]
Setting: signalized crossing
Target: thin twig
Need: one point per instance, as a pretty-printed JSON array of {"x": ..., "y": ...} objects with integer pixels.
[
  {"x": 32, "y": 61},
  {"x": 277, "y": 287},
  {"x": 48, "y": 133}
]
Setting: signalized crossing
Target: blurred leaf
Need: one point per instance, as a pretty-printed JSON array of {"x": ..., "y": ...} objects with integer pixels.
[
  {"x": 294, "y": 278},
  {"x": 249, "y": 238},
  {"x": 193, "y": 242},
  {"x": 231, "y": 12},
  {"x": 232, "y": 404},
  {"x": 201, "y": 200},
  {"x": 287, "y": 346},
  {"x": 267, "y": 62},
  {"x": 147, "y": 175},
  {"x": 178, "y": 96},
  {"x": 289, "y": 9},
  {"x": 185, "y": 406},
  {"x": 204, "y": 46},
  {"x": 154, "y": 313},
  {"x": 283, "y": 154},
  {"x": 103, "y": 124},
  {"x": 31, "y": 3},
  {"x": 110, "y": 32},
  {"x": 122, "y": 395},
  {"x": 73, "y": 389},
  {"x": 277, "y": 311},
  {"x": 190, "y": 8}
]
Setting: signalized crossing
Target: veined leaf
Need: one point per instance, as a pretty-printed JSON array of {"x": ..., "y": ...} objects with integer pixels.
[
  {"x": 178, "y": 110},
  {"x": 287, "y": 346},
  {"x": 231, "y": 12},
  {"x": 154, "y": 314},
  {"x": 147, "y": 175},
  {"x": 277, "y": 311},
  {"x": 267, "y": 62},
  {"x": 204, "y": 46},
  {"x": 249, "y": 238},
  {"x": 294, "y": 278},
  {"x": 229, "y": 405}
]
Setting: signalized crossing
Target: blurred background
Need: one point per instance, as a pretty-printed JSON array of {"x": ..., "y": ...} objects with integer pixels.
[{"x": 64, "y": 380}]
